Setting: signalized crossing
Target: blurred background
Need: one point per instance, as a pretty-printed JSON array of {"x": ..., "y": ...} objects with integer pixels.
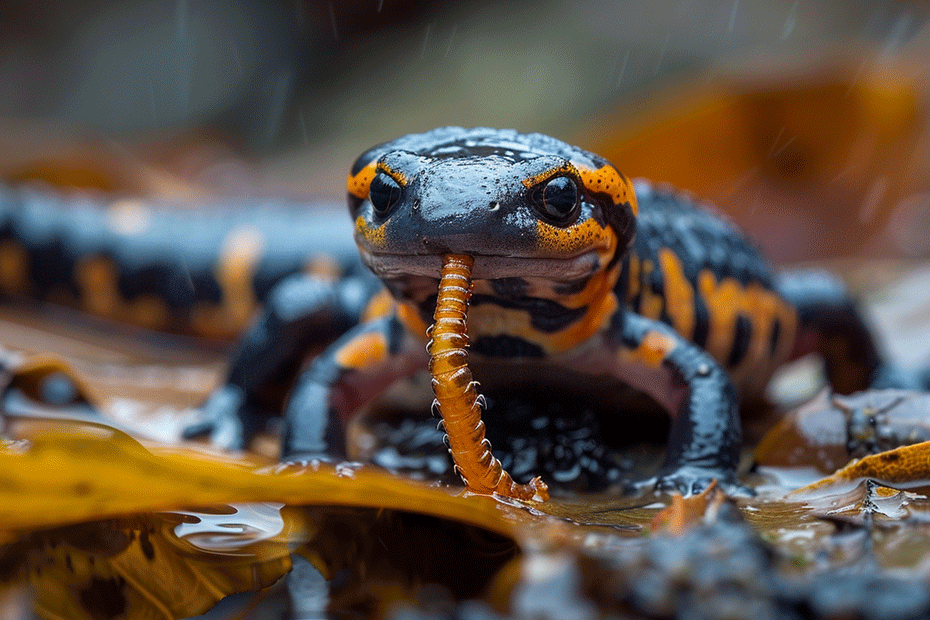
[{"x": 806, "y": 120}]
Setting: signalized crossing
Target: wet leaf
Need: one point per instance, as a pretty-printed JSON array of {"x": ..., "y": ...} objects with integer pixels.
[
  {"x": 831, "y": 429},
  {"x": 908, "y": 465},
  {"x": 93, "y": 472},
  {"x": 812, "y": 435},
  {"x": 146, "y": 566},
  {"x": 687, "y": 512},
  {"x": 137, "y": 568}
]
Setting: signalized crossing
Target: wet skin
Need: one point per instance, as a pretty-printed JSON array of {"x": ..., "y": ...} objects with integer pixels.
[{"x": 581, "y": 278}]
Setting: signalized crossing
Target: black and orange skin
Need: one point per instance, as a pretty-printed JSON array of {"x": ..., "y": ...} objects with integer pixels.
[
  {"x": 634, "y": 284},
  {"x": 194, "y": 270},
  {"x": 580, "y": 277}
]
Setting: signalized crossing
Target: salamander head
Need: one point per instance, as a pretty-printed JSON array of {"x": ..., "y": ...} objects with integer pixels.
[
  {"x": 546, "y": 223},
  {"x": 524, "y": 205}
]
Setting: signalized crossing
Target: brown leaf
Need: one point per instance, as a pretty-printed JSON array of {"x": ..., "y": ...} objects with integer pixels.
[
  {"x": 138, "y": 568},
  {"x": 687, "y": 512}
]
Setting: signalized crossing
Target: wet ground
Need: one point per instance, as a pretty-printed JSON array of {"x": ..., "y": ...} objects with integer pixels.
[{"x": 398, "y": 538}]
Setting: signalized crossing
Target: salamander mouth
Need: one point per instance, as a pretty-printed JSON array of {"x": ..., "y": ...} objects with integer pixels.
[{"x": 395, "y": 266}]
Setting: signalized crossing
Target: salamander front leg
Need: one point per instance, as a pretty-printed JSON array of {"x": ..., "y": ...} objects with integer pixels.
[
  {"x": 352, "y": 371},
  {"x": 705, "y": 436},
  {"x": 303, "y": 314}
]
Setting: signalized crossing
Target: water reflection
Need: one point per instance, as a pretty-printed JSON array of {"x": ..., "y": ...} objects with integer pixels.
[
  {"x": 180, "y": 564},
  {"x": 140, "y": 567},
  {"x": 231, "y": 529}
]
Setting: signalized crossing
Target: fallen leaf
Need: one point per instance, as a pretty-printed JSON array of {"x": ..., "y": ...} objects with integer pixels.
[
  {"x": 687, "y": 512},
  {"x": 93, "y": 472},
  {"x": 907, "y": 465}
]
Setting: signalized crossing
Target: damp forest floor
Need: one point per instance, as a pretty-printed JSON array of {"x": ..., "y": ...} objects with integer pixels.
[{"x": 106, "y": 513}]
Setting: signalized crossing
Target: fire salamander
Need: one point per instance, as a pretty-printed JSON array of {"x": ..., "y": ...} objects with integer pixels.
[{"x": 582, "y": 279}]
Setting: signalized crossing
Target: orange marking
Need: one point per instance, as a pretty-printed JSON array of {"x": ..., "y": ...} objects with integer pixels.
[
  {"x": 239, "y": 256},
  {"x": 654, "y": 348},
  {"x": 364, "y": 351},
  {"x": 650, "y": 303},
  {"x": 603, "y": 180},
  {"x": 565, "y": 169},
  {"x": 359, "y": 183},
  {"x": 375, "y": 237},
  {"x": 14, "y": 267},
  {"x": 595, "y": 291},
  {"x": 634, "y": 284},
  {"x": 96, "y": 276},
  {"x": 597, "y": 317},
  {"x": 762, "y": 307},
  {"x": 397, "y": 175},
  {"x": 586, "y": 235},
  {"x": 97, "y": 279},
  {"x": 723, "y": 304},
  {"x": 608, "y": 180},
  {"x": 412, "y": 320},
  {"x": 493, "y": 320},
  {"x": 379, "y": 305},
  {"x": 679, "y": 295},
  {"x": 788, "y": 317},
  {"x": 728, "y": 299}
]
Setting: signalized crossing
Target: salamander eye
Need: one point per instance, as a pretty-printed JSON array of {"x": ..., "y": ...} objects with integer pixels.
[
  {"x": 384, "y": 192},
  {"x": 558, "y": 200}
]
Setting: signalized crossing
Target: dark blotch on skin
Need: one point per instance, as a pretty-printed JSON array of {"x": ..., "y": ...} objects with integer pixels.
[
  {"x": 506, "y": 346},
  {"x": 545, "y": 315},
  {"x": 509, "y": 287},
  {"x": 701, "y": 322},
  {"x": 775, "y": 335},
  {"x": 740, "y": 340}
]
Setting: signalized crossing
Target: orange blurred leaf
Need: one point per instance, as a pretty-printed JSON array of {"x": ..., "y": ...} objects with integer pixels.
[{"x": 904, "y": 465}]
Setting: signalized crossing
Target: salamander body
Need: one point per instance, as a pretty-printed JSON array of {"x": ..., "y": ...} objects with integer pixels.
[{"x": 581, "y": 277}]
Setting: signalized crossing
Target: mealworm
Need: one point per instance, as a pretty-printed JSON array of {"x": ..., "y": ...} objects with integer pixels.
[{"x": 456, "y": 391}]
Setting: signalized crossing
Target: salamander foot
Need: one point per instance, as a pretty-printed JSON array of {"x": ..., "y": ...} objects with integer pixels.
[{"x": 691, "y": 480}]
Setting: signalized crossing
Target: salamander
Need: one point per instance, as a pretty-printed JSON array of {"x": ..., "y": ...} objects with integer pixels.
[
  {"x": 582, "y": 279},
  {"x": 195, "y": 269}
]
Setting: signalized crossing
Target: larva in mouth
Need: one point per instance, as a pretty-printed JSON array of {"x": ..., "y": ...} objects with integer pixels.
[{"x": 456, "y": 390}]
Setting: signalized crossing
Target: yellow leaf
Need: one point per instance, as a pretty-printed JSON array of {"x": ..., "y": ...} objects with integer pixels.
[
  {"x": 72, "y": 477},
  {"x": 906, "y": 465},
  {"x": 137, "y": 568}
]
